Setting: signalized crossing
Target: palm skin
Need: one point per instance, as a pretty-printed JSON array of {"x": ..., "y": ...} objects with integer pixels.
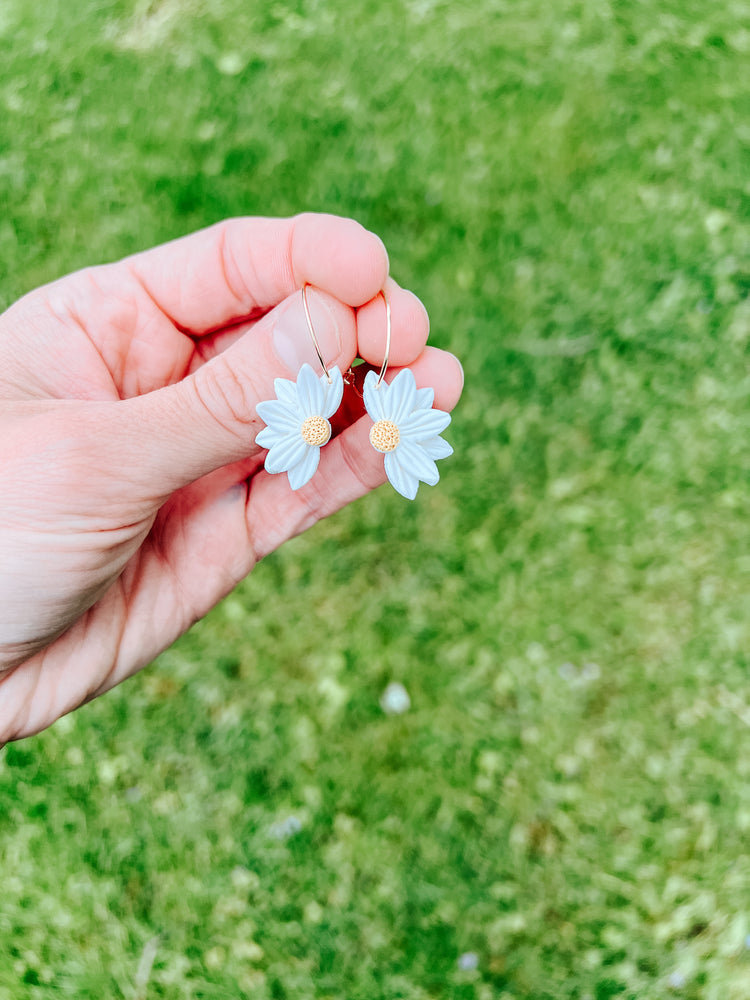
[{"x": 133, "y": 496}]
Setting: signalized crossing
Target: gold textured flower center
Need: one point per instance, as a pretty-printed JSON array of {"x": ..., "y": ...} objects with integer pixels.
[
  {"x": 316, "y": 431},
  {"x": 384, "y": 435}
]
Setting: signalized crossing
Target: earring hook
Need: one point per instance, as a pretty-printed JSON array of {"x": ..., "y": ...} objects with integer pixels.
[
  {"x": 312, "y": 332},
  {"x": 308, "y": 317},
  {"x": 384, "y": 369}
]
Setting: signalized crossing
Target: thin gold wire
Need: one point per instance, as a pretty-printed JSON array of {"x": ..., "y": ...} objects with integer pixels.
[
  {"x": 312, "y": 332},
  {"x": 384, "y": 369}
]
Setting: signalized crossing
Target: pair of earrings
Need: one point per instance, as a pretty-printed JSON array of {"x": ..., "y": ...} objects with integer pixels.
[{"x": 406, "y": 429}]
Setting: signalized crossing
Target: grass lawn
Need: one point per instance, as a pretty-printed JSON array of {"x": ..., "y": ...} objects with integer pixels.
[{"x": 564, "y": 810}]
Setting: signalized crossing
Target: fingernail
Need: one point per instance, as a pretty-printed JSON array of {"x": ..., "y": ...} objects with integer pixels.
[{"x": 292, "y": 340}]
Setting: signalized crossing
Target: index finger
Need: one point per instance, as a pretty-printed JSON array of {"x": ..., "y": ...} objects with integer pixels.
[{"x": 243, "y": 267}]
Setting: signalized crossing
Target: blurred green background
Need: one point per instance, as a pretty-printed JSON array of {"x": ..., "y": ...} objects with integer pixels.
[{"x": 564, "y": 809}]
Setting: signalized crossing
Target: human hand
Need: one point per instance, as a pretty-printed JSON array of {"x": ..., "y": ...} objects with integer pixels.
[{"x": 133, "y": 495}]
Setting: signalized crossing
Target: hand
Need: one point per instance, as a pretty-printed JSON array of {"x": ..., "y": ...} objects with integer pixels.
[{"x": 133, "y": 497}]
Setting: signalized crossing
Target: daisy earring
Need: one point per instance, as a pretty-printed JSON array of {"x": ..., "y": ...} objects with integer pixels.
[
  {"x": 406, "y": 429},
  {"x": 298, "y": 420}
]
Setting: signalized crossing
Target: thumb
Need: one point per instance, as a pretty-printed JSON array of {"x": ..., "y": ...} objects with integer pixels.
[{"x": 209, "y": 419}]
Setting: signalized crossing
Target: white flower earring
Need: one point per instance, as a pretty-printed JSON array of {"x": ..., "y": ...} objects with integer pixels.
[
  {"x": 298, "y": 420},
  {"x": 406, "y": 428}
]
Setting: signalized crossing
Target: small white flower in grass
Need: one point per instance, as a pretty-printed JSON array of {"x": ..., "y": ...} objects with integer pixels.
[
  {"x": 468, "y": 961},
  {"x": 286, "y": 828},
  {"x": 395, "y": 699},
  {"x": 406, "y": 430},
  {"x": 677, "y": 980},
  {"x": 298, "y": 423}
]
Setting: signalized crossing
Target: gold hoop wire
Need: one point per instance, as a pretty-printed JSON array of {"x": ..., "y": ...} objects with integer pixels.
[
  {"x": 312, "y": 332},
  {"x": 384, "y": 369},
  {"x": 308, "y": 317}
]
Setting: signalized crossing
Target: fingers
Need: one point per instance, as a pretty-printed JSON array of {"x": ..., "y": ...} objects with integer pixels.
[
  {"x": 209, "y": 419},
  {"x": 406, "y": 344},
  {"x": 349, "y": 467},
  {"x": 413, "y": 327},
  {"x": 219, "y": 275}
]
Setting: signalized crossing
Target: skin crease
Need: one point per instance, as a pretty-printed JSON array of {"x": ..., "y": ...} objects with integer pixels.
[{"x": 134, "y": 497}]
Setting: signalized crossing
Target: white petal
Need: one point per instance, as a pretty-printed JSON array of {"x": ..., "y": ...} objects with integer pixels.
[
  {"x": 402, "y": 396},
  {"x": 424, "y": 424},
  {"x": 303, "y": 471},
  {"x": 277, "y": 414},
  {"x": 270, "y": 436},
  {"x": 286, "y": 391},
  {"x": 400, "y": 478},
  {"x": 333, "y": 391},
  {"x": 286, "y": 454},
  {"x": 310, "y": 392},
  {"x": 418, "y": 462},
  {"x": 436, "y": 447},
  {"x": 374, "y": 398},
  {"x": 425, "y": 398}
]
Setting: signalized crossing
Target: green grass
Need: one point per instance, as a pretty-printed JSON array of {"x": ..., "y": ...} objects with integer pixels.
[{"x": 566, "y": 187}]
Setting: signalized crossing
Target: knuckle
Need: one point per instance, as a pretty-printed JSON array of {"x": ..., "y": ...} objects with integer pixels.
[
  {"x": 229, "y": 397},
  {"x": 231, "y": 270}
]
